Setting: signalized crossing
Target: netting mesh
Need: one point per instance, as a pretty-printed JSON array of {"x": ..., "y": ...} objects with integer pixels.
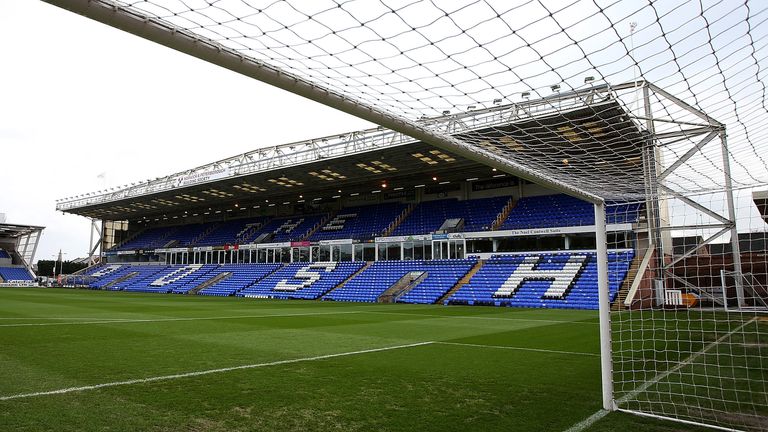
[
  {"x": 690, "y": 333},
  {"x": 659, "y": 103},
  {"x": 424, "y": 58}
]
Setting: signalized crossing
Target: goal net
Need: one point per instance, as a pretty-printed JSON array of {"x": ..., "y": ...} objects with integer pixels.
[{"x": 655, "y": 108}]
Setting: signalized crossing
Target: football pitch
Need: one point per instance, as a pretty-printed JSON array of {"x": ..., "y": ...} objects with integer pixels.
[{"x": 76, "y": 360}]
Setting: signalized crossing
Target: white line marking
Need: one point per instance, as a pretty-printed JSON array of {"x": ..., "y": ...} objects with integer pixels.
[
  {"x": 542, "y": 350},
  {"x": 127, "y": 321},
  {"x": 60, "y": 318},
  {"x": 207, "y": 372},
  {"x": 586, "y": 423},
  {"x": 486, "y": 318}
]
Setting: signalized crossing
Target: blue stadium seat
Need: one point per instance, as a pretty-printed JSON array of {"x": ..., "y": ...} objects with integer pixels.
[{"x": 532, "y": 286}]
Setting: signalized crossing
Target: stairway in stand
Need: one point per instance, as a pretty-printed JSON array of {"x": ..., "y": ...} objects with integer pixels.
[
  {"x": 618, "y": 304},
  {"x": 404, "y": 215},
  {"x": 212, "y": 281},
  {"x": 352, "y": 276},
  {"x": 503, "y": 214},
  {"x": 463, "y": 281}
]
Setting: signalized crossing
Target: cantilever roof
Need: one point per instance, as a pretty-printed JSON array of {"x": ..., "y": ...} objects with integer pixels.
[
  {"x": 361, "y": 162},
  {"x": 15, "y": 230}
]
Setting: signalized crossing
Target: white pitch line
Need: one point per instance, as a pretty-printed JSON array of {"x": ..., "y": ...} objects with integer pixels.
[
  {"x": 588, "y": 422},
  {"x": 128, "y": 321},
  {"x": 486, "y": 318},
  {"x": 542, "y": 350},
  {"x": 207, "y": 372},
  {"x": 56, "y": 318}
]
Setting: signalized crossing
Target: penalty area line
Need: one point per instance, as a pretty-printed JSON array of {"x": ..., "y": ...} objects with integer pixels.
[
  {"x": 207, "y": 372},
  {"x": 513, "y": 348}
]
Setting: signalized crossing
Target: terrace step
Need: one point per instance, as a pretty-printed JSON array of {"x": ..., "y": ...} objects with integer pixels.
[
  {"x": 504, "y": 214},
  {"x": 618, "y": 304},
  {"x": 403, "y": 216},
  {"x": 405, "y": 284},
  {"x": 463, "y": 281},
  {"x": 329, "y": 217},
  {"x": 212, "y": 281},
  {"x": 205, "y": 234},
  {"x": 120, "y": 279},
  {"x": 352, "y": 276}
]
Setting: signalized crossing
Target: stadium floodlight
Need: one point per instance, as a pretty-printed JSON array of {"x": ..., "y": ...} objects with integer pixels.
[
  {"x": 588, "y": 79},
  {"x": 525, "y": 95},
  {"x": 555, "y": 88},
  {"x": 497, "y": 101}
]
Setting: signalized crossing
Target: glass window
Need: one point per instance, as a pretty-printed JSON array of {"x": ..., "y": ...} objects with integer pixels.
[
  {"x": 325, "y": 253},
  {"x": 345, "y": 252},
  {"x": 369, "y": 252},
  {"x": 285, "y": 254},
  {"x": 393, "y": 251},
  {"x": 418, "y": 250},
  {"x": 408, "y": 250},
  {"x": 315, "y": 253}
]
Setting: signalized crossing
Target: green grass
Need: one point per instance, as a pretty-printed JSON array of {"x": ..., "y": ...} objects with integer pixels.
[{"x": 433, "y": 387}]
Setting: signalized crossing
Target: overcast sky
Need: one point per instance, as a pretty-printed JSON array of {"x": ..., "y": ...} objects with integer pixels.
[{"x": 80, "y": 98}]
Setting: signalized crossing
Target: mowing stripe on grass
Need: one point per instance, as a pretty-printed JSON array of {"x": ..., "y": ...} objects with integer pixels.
[
  {"x": 207, "y": 372},
  {"x": 486, "y": 318},
  {"x": 541, "y": 350},
  {"x": 128, "y": 320}
]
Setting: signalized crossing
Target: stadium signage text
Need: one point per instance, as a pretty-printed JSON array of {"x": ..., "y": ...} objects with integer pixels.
[
  {"x": 171, "y": 250},
  {"x": 202, "y": 177},
  {"x": 398, "y": 239},
  {"x": 335, "y": 242}
]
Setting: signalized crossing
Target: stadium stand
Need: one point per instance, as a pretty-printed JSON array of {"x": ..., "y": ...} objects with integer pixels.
[
  {"x": 429, "y": 216},
  {"x": 143, "y": 275},
  {"x": 367, "y": 222},
  {"x": 177, "y": 279},
  {"x": 556, "y": 280},
  {"x": 150, "y": 238},
  {"x": 15, "y": 274},
  {"x": 303, "y": 280},
  {"x": 361, "y": 223},
  {"x": 369, "y": 285},
  {"x": 541, "y": 280},
  {"x": 238, "y": 231},
  {"x": 562, "y": 210},
  {"x": 286, "y": 229},
  {"x": 4, "y": 254},
  {"x": 549, "y": 211},
  {"x": 237, "y": 277}
]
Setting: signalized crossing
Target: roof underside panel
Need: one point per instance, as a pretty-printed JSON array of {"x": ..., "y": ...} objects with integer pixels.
[{"x": 401, "y": 165}]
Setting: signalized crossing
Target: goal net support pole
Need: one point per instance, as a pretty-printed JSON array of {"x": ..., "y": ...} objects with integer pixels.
[{"x": 606, "y": 362}]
